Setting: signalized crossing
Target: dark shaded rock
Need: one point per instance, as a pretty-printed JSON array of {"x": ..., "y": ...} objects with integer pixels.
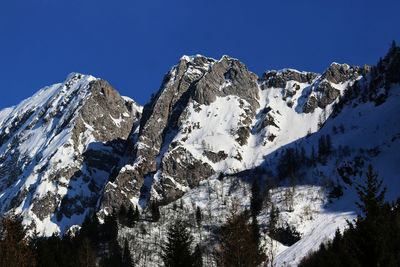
[
  {"x": 271, "y": 137},
  {"x": 184, "y": 169},
  {"x": 242, "y": 83},
  {"x": 310, "y": 105},
  {"x": 243, "y": 135},
  {"x": 215, "y": 157},
  {"x": 278, "y": 79},
  {"x": 339, "y": 73},
  {"x": 45, "y": 206},
  {"x": 107, "y": 112},
  {"x": 269, "y": 121},
  {"x": 329, "y": 94}
]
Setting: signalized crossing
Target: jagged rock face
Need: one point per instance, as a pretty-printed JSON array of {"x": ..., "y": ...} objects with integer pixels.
[
  {"x": 59, "y": 148},
  {"x": 310, "y": 105},
  {"x": 279, "y": 79},
  {"x": 196, "y": 82},
  {"x": 110, "y": 115},
  {"x": 323, "y": 89},
  {"x": 173, "y": 152},
  {"x": 329, "y": 94},
  {"x": 97, "y": 150},
  {"x": 340, "y": 73},
  {"x": 228, "y": 77},
  {"x": 180, "y": 169}
]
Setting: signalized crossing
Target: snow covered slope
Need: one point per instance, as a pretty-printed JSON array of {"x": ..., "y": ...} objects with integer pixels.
[
  {"x": 211, "y": 130},
  {"x": 321, "y": 130},
  {"x": 214, "y": 116},
  {"x": 58, "y": 149}
]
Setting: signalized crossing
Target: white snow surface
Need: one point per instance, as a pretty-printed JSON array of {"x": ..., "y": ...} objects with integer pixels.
[
  {"x": 370, "y": 132},
  {"x": 212, "y": 127},
  {"x": 44, "y": 141}
]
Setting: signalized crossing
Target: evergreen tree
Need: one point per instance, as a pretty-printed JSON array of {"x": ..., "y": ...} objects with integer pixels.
[
  {"x": 236, "y": 242},
  {"x": 373, "y": 240},
  {"x": 86, "y": 253},
  {"x": 155, "y": 211},
  {"x": 122, "y": 215},
  {"x": 273, "y": 219},
  {"x": 137, "y": 214},
  {"x": 130, "y": 217},
  {"x": 304, "y": 158},
  {"x": 313, "y": 157},
  {"x": 199, "y": 216},
  {"x": 14, "y": 249},
  {"x": 90, "y": 228},
  {"x": 114, "y": 256},
  {"x": 321, "y": 149},
  {"x": 126, "y": 256},
  {"x": 328, "y": 145},
  {"x": 177, "y": 250},
  {"x": 255, "y": 208},
  {"x": 370, "y": 194},
  {"x": 256, "y": 200},
  {"x": 110, "y": 228},
  {"x": 198, "y": 256}
]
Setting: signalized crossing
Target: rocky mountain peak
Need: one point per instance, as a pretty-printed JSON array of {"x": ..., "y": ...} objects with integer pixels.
[
  {"x": 196, "y": 81},
  {"x": 99, "y": 150},
  {"x": 339, "y": 73},
  {"x": 278, "y": 79},
  {"x": 59, "y": 148}
]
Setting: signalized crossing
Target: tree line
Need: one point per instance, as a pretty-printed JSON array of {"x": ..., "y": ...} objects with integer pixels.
[{"x": 373, "y": 239}]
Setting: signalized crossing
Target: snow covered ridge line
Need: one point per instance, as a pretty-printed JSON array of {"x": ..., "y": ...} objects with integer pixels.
[
  {"x": 211, "y": 130},
  {"x": 209, "y": 124},
  {"x": 219, "y": 113},
  {"x": 208, "y": 117},
  {"x": 58, "y": 149},
  {"x": 62, "y": 133}
]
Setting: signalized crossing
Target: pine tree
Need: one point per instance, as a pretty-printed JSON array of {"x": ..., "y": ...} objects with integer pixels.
[
  {"x": 130, "y": 217},
  {"x": 273, "y": 219},
  {"x": 255, "y": 208},
  {"x": 370, "y": 194},
  {"x": 198, "y": 256},
  {"x": 236, "y": 242},
  {"x": 114, "y": 257},
  {"x": 313, "y": 157},
  {"x": 126, "y": 256},
  {"x": 14, "y": 249},
  {"x": 86, "y": 253},
  {"x": 256, "y": 200},
  {"x": 199, "y": 216},
  {"x": 321, "y": 149},
  {"x": 90, "y": 228},
  {"x": 177, "y": 250},
  {"x": 137, "y": 214},
  {"x": 110, "y": 227},
  {"x": 155, "y": 211},
  {"x": 328, "y": 144},
  {"x": 122, "y": 215}
]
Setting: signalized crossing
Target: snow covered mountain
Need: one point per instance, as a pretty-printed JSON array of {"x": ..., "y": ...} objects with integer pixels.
[
  {"x": 211, "y": 130},
  {"x": 214, "y": 116},
  {"x": 58, "y": 149}
]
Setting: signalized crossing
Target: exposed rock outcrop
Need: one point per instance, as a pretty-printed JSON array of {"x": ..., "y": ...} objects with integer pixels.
[
  {"x": 278, "y": 79},
  {"x": 196, "y": 80},
  {"x": 60, "y": 147}
]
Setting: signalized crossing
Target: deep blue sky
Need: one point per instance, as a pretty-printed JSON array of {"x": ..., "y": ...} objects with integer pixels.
[{"x": 132, "y": 44}]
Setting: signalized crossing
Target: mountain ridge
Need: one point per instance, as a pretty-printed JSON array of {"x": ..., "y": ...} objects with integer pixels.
[{"x": 211, "y": 130}]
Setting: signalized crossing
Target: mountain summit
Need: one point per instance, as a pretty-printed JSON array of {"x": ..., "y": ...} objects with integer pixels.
[
  {"x": 58, "y": 149},
  {"x": 211, "y": 131}
]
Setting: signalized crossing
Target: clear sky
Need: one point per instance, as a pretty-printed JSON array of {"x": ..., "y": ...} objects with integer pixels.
[{"x": 132, "y": 44}]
